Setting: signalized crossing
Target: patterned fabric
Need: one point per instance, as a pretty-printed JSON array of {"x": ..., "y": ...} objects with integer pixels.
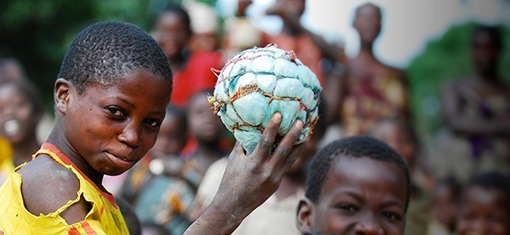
[
  {"x": 165, "y": 200},
  {"x": 104, "y": 217},
  {"x": 374, "y": 98},
  {"x": 480, "y": 104}
]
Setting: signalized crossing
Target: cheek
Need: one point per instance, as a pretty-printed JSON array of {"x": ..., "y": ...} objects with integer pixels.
[{"x": 332, "y": 223}]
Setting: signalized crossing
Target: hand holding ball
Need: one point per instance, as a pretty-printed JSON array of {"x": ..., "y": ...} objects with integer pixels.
[{"x": 258, "y": 82}]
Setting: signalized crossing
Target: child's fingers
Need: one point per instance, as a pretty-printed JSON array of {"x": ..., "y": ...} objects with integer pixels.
[
  {"x": 294, "y": 155},
  {"x": 282, "y": 152},
  {"x": 268, "y": 137},
  {"x": 237, "y": 151}
]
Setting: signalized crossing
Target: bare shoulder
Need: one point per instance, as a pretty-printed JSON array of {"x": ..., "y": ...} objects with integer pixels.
[{"x": 47, "y": 186}]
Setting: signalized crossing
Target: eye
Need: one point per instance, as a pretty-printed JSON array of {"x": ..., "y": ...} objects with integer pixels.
[
  {"x": 152, "y": 122},
  {"x": 116, "y": 112},
  {"x": 392, "y": 216},
  {"x": 347, "y": 208}
]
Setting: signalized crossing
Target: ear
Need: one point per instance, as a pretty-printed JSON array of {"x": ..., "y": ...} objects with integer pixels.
[
  {"x": 304, "y": 216},
  {"x": 62, "y": 94}
]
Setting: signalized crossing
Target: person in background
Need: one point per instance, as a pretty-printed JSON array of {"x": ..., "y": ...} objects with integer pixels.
[
  {"x": 476, "y": 110},
  {"x": 372, "y": 90},
  {"x": 312, "y": 49},
  {"x": 204, "y": 25},
  {"x": 132, "y": 221},
  {"x": 191, "y": 69},
  {"x": 239, "y": 33},
  {"x": 484, "y": 206},
  {"x": 445, "y": 206},
  {"x": 11, "y": 69},
  {"x": 21, "y": 110}
]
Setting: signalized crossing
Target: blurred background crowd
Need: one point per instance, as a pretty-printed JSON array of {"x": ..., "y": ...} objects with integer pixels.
[{"x": 429, "y": 78}]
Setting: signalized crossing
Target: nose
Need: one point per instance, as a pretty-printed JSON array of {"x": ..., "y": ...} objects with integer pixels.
[
  {"x": 368, "y": 226},
  {"x": 130, "y": 135}
]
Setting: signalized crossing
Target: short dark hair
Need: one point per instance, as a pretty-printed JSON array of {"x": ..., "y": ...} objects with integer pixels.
[
  {"x": 173, "y": 8},
  {"x": 358, "y": 9},
  {"x": 105, "y": 52},
  {"x": 491, "y": 180},
  {"x": 180, "y": 114},
  {"x": 451, "y": 182},
  {"x": 353, "y": 147},
  {"x": 493, "y": 32}
]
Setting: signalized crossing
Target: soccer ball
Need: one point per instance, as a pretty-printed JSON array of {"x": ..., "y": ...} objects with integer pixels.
[{"x": 258, "y": 82}]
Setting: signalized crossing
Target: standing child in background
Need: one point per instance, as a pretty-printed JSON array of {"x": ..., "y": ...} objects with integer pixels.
[
  {"x": 191, "y": 69},
  {"x": 356, "y": 185},
  {"x": 110, "y": 99},
  {"x": 373, "y": 90},
  {"x": 446, "y": 195},
  {"x": 207, "y": 130},
  {"x": 20, "y": 111},
  {"x": 476, "y": 109},
  {"x": 484, "y": 206}
]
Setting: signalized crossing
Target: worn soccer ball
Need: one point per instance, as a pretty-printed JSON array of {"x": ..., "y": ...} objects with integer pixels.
[{"x": 258, "y": 82}]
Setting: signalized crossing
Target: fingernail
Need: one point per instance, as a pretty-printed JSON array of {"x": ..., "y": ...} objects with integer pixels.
[
  {"x": 299, "y": 123},
  {"x": 277, "y": 117}
]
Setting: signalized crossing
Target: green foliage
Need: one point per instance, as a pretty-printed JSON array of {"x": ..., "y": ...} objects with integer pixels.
[
  {"x": 38, "y": 33},
  {"x": 442, "y": 60}
]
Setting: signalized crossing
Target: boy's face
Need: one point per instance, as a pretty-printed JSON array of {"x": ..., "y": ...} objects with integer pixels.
[
  {"x": 171, "y": 33},
  {"x": 171, "y": 138},
  {"x": 485, "y": 52},
  {"x": 113, "y": 127},
  {"x": 204, "y": 124},
  {"x": 17, "y": 118},
  {"x": 368, "y": 23},
  {"x": 359, "y": 195},
  {"x": 483, "y": 212}
]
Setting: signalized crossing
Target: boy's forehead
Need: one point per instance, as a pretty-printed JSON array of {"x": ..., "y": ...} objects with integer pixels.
[
  {"x": 367, "y": 170},
  {"x": 484, "y": 195}
]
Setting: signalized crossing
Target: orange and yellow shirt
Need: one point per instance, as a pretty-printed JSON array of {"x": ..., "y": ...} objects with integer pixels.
[{"x": 104, "y": 217}]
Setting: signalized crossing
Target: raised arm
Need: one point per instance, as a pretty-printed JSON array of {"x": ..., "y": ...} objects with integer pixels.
[{"x": 249, "y": 180}]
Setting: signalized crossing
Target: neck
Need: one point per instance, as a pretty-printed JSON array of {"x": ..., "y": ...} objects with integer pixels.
[
  {"x": 366, "y": 48},
  {"x": 291, "y": 29},
  {"x": 56, "y": 138}
]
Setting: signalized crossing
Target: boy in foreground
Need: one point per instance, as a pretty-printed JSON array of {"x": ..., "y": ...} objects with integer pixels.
[{"x": 356, "y": 185}]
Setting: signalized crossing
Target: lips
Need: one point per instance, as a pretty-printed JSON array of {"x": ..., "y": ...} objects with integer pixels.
[{"x": 120, "y": 162}]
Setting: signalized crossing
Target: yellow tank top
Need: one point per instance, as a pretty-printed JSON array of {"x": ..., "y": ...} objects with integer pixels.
[{"x": 104, "y": 218}]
